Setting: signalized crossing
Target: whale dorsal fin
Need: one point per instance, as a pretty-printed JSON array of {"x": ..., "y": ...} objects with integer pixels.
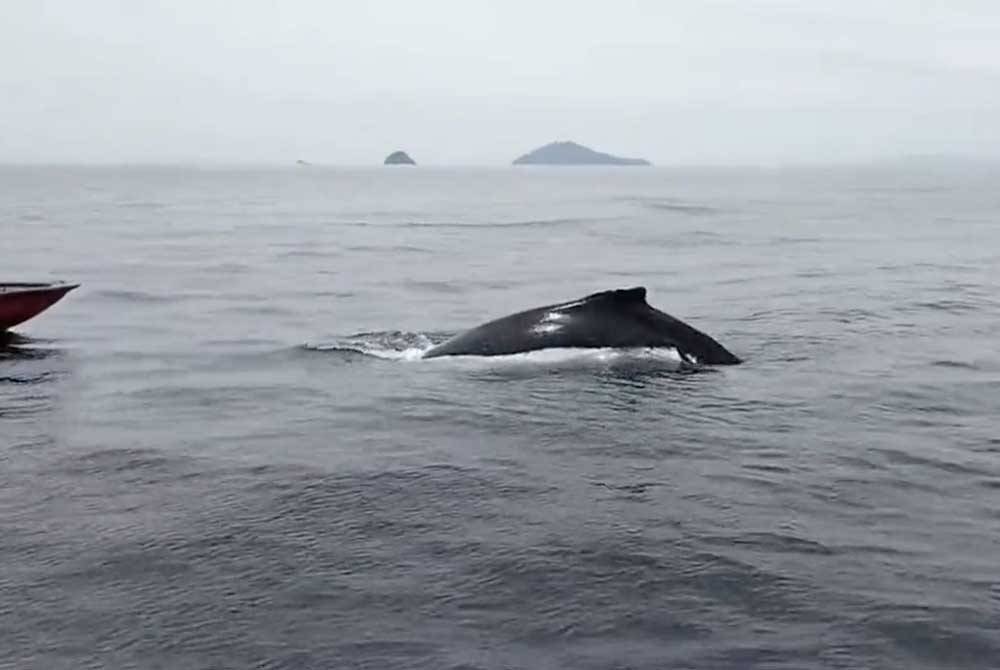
[{"x": 620, "y": 295}]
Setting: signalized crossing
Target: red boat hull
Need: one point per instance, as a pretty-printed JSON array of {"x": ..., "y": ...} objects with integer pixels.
[{"x": 20, "y": 302}]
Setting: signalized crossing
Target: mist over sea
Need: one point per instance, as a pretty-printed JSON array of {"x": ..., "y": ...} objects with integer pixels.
[{"x": 223, "y": 450}]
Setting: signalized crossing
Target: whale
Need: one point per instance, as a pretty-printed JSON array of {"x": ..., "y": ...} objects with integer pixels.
[{"x": 616, "y": 318}]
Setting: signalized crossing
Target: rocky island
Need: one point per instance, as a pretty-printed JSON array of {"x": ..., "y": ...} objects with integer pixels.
[
  {"x": 571, "y": 153},
  {"x": 399, "y": 158}
]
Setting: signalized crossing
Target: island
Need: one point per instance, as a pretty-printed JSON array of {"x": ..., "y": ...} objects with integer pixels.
[
  {"x": 399, "y": 158},
  {"x": 571, "y": 153}
]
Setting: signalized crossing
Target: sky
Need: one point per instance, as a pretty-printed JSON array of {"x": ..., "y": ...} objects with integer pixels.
[{"x": 477, "y": 82}]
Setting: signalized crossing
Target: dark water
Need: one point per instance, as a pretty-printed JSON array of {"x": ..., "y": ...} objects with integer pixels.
[{"x": 220, "y": 453}]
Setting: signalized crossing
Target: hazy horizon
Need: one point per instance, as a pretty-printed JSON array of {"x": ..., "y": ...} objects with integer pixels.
[{"x": 479, "y": 83}]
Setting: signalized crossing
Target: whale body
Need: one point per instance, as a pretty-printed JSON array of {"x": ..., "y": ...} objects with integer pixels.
[{"x": 619, "y": 318}]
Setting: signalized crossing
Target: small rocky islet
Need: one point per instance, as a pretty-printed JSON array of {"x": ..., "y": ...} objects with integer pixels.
[
  {"x": 399, "y": 158},
  {"x": 571, "y": 153}
]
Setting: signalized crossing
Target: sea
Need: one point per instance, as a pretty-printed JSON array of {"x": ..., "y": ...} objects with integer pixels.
[{"x": 223, "y": 450}]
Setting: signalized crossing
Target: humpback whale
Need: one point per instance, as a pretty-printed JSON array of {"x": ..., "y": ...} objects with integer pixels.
[{"x": 618, "y": 318}]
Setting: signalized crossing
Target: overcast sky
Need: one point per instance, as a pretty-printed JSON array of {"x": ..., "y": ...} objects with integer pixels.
[{"x": 480, "y": 82}]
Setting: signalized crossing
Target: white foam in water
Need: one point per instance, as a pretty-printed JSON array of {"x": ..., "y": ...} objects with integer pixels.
[
  {"x": 390, "y": 345},
  {"x": 408, "y": 354},
  {"x": 573, "y": 357},
  {"x": 556, "y": 357}
]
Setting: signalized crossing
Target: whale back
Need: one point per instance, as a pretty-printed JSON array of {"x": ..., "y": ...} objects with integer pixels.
[{"x": 618, "y": 318}]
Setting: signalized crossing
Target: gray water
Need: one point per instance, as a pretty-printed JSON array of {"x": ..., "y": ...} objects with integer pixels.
[{"x": 222, "y": 452}]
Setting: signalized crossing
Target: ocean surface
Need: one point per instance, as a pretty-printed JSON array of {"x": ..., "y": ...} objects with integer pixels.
[{"x": 223, "y": 451}]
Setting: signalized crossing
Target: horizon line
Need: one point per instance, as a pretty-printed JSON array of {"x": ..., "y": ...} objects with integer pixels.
[{"x": 318, "y": 163}]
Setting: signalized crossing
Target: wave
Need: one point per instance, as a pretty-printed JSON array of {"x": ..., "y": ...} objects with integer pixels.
[
  {"x": 128, "y": 295},
  {"x": 694, "y": 210},
  {"x": 389, "y": 248},
  {"x": 963, "y": 365},
  {"x": 524, "y": 223},
  {"x": 960, "y": 305},
  {"x": 141, "y": 204},
  {"x": 676, "y": 206}
]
